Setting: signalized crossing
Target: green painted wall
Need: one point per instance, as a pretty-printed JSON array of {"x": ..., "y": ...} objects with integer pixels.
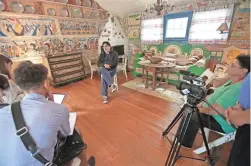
[{"x": 185, "y": 48}]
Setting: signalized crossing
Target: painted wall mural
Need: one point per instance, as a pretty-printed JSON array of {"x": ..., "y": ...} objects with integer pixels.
[
  {"x": 77, "y": 27},
  {"x": 134, "y": 19},
  {"x": 14, "y": 26},
  {"x": 79, "y": 44},
  {"x": 22, "y": 48},
  {"x": 134, "y": 33},
  {"x": 241, "y": 23},
  {"x": 25, "y": 48}
]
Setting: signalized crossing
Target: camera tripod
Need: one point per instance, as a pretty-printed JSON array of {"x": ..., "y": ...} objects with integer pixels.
[{"x": 185, "y": 113}]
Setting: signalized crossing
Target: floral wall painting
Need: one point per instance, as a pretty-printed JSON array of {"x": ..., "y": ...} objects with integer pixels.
[
  {"x": 11, "y": 27},
  {"x": 231, "y": 53}
]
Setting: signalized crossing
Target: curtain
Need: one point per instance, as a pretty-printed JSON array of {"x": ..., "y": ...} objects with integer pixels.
[
  {"x": 152, "y": 30},
  {"x": 205, "y": 23}
]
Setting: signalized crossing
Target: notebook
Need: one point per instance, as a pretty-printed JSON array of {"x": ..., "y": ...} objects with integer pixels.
[{"x": 59, "y": 98}]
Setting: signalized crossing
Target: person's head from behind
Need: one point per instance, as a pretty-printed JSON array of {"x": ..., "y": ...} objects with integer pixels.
[
  {"x": 240, "y": 67},
  {"x": 31, "y": 78},
  {"x": 4, "y": 83},
  {"x": 106, "y": 47},
  {"x": 5, "y": 65}
]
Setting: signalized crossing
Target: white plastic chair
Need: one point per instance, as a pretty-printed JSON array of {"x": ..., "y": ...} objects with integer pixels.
[
  {"x": 93, "y": 67},
  {"x": 122, "y": 66},
  {"x": 115, "y": 81},
  {"x": 220, "y": 141}
]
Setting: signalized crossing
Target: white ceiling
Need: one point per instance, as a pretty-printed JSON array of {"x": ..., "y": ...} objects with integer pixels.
[{"x": 125, "y": 7}]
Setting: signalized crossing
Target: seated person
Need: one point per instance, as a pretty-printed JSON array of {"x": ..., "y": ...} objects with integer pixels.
[
  {"x": 107, "y": 62},
  {"x": 223, "y": 97},
  {"x": 45, "y": 119},
  {"x": 14, "y": 93}
]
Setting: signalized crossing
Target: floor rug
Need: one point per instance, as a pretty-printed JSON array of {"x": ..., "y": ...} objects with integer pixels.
[{"x": 166, "y": 94}]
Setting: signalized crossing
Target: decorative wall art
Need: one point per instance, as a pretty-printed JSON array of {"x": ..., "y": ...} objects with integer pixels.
[
  {"x": 241, "y": 23},
  {"x": 23, "y": 48},
  {"x": 134, "y": 19},
  {"x": 14, "y": 26},
  {"x": 231, "y": 53},
  {"x": 77, "y": 27},
  {"x": 80, "y": 44},
  {"x": 134, "y": 33}
]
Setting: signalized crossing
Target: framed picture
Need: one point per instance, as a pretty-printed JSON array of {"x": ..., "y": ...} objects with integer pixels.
[
  {"x": 220, "y": 70},
  {"x": 219, "y": 54},
  {"x": 213, "y": 53}
]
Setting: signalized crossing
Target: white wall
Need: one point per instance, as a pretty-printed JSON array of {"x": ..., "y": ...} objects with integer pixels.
[{"x": 115, "y": 32}]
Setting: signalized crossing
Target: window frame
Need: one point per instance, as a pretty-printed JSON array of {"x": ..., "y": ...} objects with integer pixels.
[{"x": 167, "y": 17}]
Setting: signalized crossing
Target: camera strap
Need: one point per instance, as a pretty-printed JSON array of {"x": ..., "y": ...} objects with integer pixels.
[{"x": 23, "y": 132}]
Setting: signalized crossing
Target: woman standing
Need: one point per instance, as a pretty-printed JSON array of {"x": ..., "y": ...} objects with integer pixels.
[{"x": 13, "y": 93}]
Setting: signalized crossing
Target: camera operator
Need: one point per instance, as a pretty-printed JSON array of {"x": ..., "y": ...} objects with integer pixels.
[
  {"x": 239, "y": 115},
  {"x": 223, "y": 97},
  {"x": 44, "y": 119}
]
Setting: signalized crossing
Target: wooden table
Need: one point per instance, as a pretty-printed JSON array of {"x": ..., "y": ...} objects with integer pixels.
[{"x": 156, "y": 69}]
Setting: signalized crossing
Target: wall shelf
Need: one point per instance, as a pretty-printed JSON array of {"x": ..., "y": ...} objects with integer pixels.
[{"x": 59, "y": 3}]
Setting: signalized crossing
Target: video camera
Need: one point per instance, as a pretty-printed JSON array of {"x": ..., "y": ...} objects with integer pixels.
[{"x": 194, "y": 87}]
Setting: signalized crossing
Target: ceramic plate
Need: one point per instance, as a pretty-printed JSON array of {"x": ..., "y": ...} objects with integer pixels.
[
  {"x": 29, "y": 9},
  {"x": 76, "y": 13},
  {"x": 87, "y": 3},
  {"x": 16, "y": 7},
  {"x": 78, "y": 2},
  {"x": 101, "y": 16},
  {"x": 64, "y": 12},
  {"x": 94, "y": 15},
  {"x": 51, "y": 12},
  {"x": 94, "y": 5},
  {"x": 62, "y": 1},
  {"x": 2, "y": 6}
]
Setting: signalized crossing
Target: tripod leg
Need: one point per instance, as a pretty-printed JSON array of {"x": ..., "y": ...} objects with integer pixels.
[
  {"x": 174, "y": 121},
  {"x": 174, "y": 151},
  {"x": 204, "y": 138}
]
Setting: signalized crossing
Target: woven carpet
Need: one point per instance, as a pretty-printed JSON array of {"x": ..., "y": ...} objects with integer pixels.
[{"x": 166, "y": 94}]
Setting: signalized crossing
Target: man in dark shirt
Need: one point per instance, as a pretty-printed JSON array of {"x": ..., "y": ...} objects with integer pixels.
[{"x": 107, "y": 62}]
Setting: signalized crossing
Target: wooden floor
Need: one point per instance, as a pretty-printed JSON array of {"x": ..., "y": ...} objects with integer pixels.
[{"x": 128, "y": 130}]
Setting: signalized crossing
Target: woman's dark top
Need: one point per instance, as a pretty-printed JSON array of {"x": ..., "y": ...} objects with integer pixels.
[{"x": 111, "y": 59}]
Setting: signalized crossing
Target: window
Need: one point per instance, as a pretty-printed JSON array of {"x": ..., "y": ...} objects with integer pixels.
[
  {"x": 176, "y": 26},
  {"x": 205, "y": 24},
  {"x": 152, "y": 30}
]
